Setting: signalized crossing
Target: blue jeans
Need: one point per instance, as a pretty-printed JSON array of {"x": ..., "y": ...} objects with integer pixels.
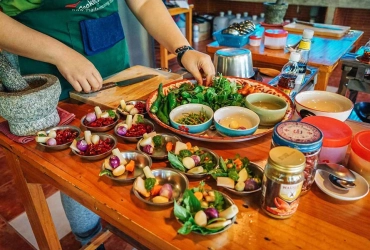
[{"x": 84, "y": 223}]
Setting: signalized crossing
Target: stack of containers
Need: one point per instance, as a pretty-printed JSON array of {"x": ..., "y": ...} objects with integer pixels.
[{"x": 359, "y": 159}]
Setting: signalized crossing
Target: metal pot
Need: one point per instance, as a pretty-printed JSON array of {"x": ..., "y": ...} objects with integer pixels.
[{"x": 234, "y": 62}]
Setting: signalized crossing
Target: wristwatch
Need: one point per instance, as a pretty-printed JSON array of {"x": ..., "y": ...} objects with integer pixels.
[{"x": 180, "y": 52}]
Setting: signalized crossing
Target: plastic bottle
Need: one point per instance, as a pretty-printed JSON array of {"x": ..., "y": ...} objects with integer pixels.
[
  {"x": 289, "y": 74},
  {"x": 304, "y": 48},
  {"x": 261, "y": 19},
  {"x": 195, "y": 33},
  {"x": 237, "y": 19},
  {"x": 254, "y": 19},
  {"x": 230, "y": 15},
  {"x": 245, "y": 16},
  {"x": 220, "y": 22}
]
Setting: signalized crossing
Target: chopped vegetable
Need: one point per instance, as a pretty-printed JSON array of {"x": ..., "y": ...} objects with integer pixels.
[
  {"x": 42, "y": 139},
  {"x": 117, "y": 153},
  {"x": 180, "y": 146},
  {"x": 122, "y": 130},
  {"x": 120, "y": 170},
  {"x": 200, "y": 218},
  {"x": 225, "y": 182},
  {"x": 160, "y": 199},
  {"x": 188, "y": 162},
  {"x": 147, "y": 172},
  {"x": 185, "y": 153},
  {"x": 98, "y": 111},
  {"x": 230, "y": 212},
  {"x": 158, "y": 141},
  {"x": 169, "y": 146},
  {"x": 155, "y": 190},
  {"x": 148, "y": 149},
  {"x": 139, "y": 186},
  {"x": 95, "y": 139},
  {"x": 105, "y": 172},
  {"x": 188, "y": 145},
  {"x": 51, "y": 142},
  {"x": 87, "y": 135},
  {"x": 166, "y": 191},
  {"x": 211, "y": 213},
  {"x": 130, "y": 166},
  {"x": 149, "y": 183},
  {"x": 196, "y": 170},
  {"x": 114, "y": 161},
  {"x": 219, "y": 225}
]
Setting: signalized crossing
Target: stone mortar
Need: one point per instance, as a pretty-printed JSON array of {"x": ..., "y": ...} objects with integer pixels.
[
  {"x": 33, "y": 109},
  {"x": 274, "y": 13}
]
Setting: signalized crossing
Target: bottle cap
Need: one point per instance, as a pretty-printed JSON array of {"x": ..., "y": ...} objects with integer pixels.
[
  {"x": 294, "y": 56},
  {"x": 229, "y": 12},
  {"x": 238, "y": 15},
  {"x": 262, "y": 15},
  {"x": 307, "y": 33},
  {"x": 245, "y": 14},
  {"x": 222, "y": 13}
]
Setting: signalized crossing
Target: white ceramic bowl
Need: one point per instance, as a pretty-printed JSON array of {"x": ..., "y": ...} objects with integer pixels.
[
  {"x": 179, "y": 111},
  {"x": 243, "y": 117},
  {"x": 323, "y": 103}
]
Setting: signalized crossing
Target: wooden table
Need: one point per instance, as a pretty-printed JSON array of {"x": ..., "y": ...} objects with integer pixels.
[
  {"x": 324, "y": 55},
  {"x": 321, "y": 222}
]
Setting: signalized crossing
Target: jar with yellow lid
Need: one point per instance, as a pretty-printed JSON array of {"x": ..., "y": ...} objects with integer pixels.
[{"x": 282, "y": 182}]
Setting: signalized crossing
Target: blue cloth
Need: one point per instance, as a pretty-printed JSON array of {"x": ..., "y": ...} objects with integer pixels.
[
  {"x": 353, "y": 116},
  {"x": 85, "y": 224},
  {"x": 101, "y": 33}
]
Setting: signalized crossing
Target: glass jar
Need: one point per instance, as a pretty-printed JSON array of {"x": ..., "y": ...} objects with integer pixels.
[
  {"x": 304, "y": 137},
  {"x": 282, "y": 182}
]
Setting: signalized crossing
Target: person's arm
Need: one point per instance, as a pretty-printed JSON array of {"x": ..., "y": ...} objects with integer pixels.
[
  {"x": 156, "y": 19},
  {"x": 21, "y": 40}
]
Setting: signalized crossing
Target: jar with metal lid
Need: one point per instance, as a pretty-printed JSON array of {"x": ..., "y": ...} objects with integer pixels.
[
  {"x": 282, "y": 182},
  {"x": 304, "y": 137}
]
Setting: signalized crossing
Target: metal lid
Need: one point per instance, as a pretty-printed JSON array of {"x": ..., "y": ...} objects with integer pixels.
[
  {"x": 299, "y": 135},
  {"x": 287, "y": 160}
]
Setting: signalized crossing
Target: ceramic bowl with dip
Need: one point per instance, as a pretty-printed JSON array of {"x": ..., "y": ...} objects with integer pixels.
[
  {"x": 270, "y": 108},
  {"x": 236, "y": 121},
  {"x": 192, "y": 118},
  {"x": 323, "y": 103}
]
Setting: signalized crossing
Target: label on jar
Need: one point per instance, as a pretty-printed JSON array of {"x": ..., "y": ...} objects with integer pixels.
[
  {"x": 280, "y": 200},
  {"x": 298, "y": 132}
]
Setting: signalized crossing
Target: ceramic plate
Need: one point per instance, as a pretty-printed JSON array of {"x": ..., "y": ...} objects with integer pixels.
[
  {"x": 212, "y": 135},
  {"x": 356, "y": 193}
]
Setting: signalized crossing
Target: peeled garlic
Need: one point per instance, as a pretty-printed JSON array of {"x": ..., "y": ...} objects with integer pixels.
[{"x": 95, "y": 139}]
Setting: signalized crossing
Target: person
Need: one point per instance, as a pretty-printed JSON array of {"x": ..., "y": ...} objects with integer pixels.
[{"x": 82, "y": 42}]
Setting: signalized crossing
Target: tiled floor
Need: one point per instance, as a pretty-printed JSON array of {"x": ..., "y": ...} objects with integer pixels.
[{"x": 11, "y": 207}]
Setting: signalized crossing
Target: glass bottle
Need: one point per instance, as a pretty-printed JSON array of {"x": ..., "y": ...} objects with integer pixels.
[
  {"x": 289, "y": 74},
  {"x": 282, "y": 182},
  {"x": 304, "y": 48}
]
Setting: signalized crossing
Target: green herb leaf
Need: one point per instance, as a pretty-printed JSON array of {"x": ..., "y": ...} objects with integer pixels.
[
  {"x": 219, "y": 201},
  {"x": 192, "y": 204},
  {"x": 106, "y": 172},
  {"x": 111, "y": 113},
  {"x": 149, "y": 183},
  {"x": 175, "y": 162},
  {"x": 180, "y": 212},
  {"x": 223, "y": 164},
  {"x": 140, "y": 119},
  {"x": 233, "y": 174},
  {"x": 186, "y": 228}
]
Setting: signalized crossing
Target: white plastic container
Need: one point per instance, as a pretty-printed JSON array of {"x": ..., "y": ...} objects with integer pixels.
[
  {"x": 195, "y": 33},
  {"x": 337, "y": 138},
  {"x": 237, "y": 19},
  {"x": 275, "y": 38},
  {"x": 254, "y": 40},
  {"x": 220, "y": 22}
]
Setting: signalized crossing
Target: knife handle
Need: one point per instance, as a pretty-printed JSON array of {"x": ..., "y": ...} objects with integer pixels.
[{"x": 108, "y": 85}]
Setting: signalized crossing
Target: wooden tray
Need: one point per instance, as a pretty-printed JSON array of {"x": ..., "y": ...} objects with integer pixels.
[{"x": 298, "y": 28}]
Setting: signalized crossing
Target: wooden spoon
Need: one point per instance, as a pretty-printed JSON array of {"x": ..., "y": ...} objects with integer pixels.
[{"x": 269, "y": 72}]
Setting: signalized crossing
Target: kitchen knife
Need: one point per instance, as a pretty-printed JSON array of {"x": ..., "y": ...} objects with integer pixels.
[
  {"x": 319, "y": 25},
  {"x": 126, "y": 82}
]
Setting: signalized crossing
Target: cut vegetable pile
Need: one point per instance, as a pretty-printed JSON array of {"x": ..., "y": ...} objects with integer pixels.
[
  {"x": 130, "y": 109},
  {"x": 191, "y": 159},
  {"x": 153, "y": 141},
  {"x": 116, "y": 165},
  {"x": 134, "y": 126},
  {"x": 203, "y": 211},
  {"x": 235, "y": 174},
  {"x": 149, "y": 188},
  {"x": 91, "y": 144},
  {"x": 98, "y": 118},
  {"x": 56, "y": 137}
]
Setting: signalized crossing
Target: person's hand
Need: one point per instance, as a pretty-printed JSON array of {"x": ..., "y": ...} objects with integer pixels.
[
  {"x": 195, "y": 62},
  {"x": 79, "y": 72}
]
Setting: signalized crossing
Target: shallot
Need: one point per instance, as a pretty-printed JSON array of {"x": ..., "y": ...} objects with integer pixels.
[
  {"x": 91, "y": 117},
  {"x": 121, "y": 130},
  {"x": 51, "y": 142},
  {"x": 166, "y": 191},
  {"x": 81, "y": 145},
  {"x": 114, "y": 161}
]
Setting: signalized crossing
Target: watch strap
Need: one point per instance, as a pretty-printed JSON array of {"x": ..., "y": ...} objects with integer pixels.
[{"x": 180, "y": 52}]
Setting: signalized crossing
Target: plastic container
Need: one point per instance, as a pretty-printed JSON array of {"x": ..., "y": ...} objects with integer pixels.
[
  {"x": 195, "y": 33},
  {"x": 230, "y": 15},
  {"x": 304, "y": 137},
  {"x": 237, "y": 19},
  {"x": 359, "y": 159},
  {"x": 337, "y": 138},
  {"x": 220, "y": 22},
  {"x": 232, "y": 40},
  {"x": 254, "y": 40},
  {"x": 275, "y": 38}
]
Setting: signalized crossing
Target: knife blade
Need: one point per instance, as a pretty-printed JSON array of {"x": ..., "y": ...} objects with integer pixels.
[
  {"x": 319, "y": 25},
  {"x": 127, "y": 82}
]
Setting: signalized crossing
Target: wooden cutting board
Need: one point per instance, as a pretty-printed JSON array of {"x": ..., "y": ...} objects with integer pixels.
[
  {"x": 298, "y": 28},
  {"x": 110, "y": 98}
]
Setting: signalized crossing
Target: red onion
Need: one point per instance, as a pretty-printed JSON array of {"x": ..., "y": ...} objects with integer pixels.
[
  {"x": 82, "y": 145},
  {"x": 148, "y": 149},
  {"x": 114, "y": 161},
  {"x": 196, "y": 159},
  {"x": 91, "y": 117},
  {"x": 211, "y": 213},
  {"x": 166, "y": 191},
  {"x": 51, "y": 142},
  {"x": 121, "y": 130}
]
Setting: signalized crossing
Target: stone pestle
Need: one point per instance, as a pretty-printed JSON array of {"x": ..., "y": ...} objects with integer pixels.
[
  {"x": 29, "y": 103},
  {"x": 11, "y": 80}
]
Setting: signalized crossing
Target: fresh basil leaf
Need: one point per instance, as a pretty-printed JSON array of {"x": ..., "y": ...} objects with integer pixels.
[
  {"x": 180, "y": 212},
  {"x": 175, "y": 162},
  {"x": 140, "y": 119},
  {"x": 191, "y": 202},
  {"x": 111, "y": 113},
  {"x": 223, "y": 164},
  {"x": 219, "y": 201},
  {"x": 233, "y": 174},
  {"x": 218, "y": 172},
  {"x": 186, "y": 228},
  {"x": 149, "y": 183},
  {"x": 106, "y": 172}
]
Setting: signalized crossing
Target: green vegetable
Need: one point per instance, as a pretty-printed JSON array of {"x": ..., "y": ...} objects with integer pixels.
[
  {"x": 183, "y": 102},
  {"x": 149, "y": 183},
  {"x": 185, "y": 95},
  {"x": 111, "y": 113},
  {"x": 165, "y": 107},
  {"x": 233, "y": 174},
  {"x": 140, "y": 119},
  {"x": 158, "y": 141},
  {"x": 185, "y": 153},
  {"x": 175, "y": 162},
  {"x": 106, "y": 172},
  {"x": 223, "y": 164},
  {"x": 193, "y": 118},
  {"x": 155, "y": 106},
  {"x": 192, "y": 204},
  {"x": 162, "y": 116},
  {"x": 172, "y": 102},
  {"x": 219, "y": 201}
]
